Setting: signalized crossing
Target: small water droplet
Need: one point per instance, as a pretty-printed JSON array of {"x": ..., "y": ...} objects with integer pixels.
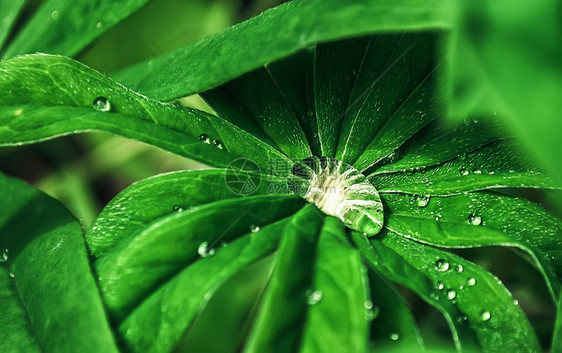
[
  {"x": 461, "y": 318},
  {"x": 204, "y": 138},
  {"x": 459, "y": 268},
  {"x": 463, "y": 171},
  {"x": 422, "y": 201},
  {"x": 451, "y": 294},
  {"x": 471, "y": 282},
  {"x": 442, "y": 265},
  {"x": 475, "y": 220},
  {"x": 515, "y": 301},
  {"x": 394, "y": 336},
  {"x": 254, "y": 228},
  {"x": 177, "y": 208},
  {"x": 313, "y": 296},
  {"x": 217, "y": 144},
  {"x": 439, "y": 285},
  {"x": 434, "y": 296},
  {"x": 99, "y": 25},
  {"x": 101, "y": 104},
  {"x": 485, "y": 315},
  {"x": 12, "y": 275},
  {"x": 4, "y": 257},
  {"x": 55, "y": 14},
  {"x": 204, "y": 250}
]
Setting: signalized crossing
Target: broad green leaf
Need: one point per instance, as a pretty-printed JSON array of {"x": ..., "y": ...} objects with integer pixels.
[
  {"x": 272, "y": 35},
  {"x": 481, "y": 219},
  {"x": 144, "y": 202},
  {"x": 48, "y": 298},
  {"x": 161, "y": 319},
  {"x": 392, "y": 327},
  {"x": 479, "y": 309},
  {"x": 338, "y": 322},
  {"x": 258, "y": 99},
  {"x": 437, "y": 144},
  {"x": 498, "y": 165},
  {"x": 281, "y": 315},
  {"x": 49, "y": 96},
  {"x": 505, "y": 62},
  {"x": 66, "y": 27},
  {"x": 392, "y": 85},
  {"x": 10, "y": 9}
]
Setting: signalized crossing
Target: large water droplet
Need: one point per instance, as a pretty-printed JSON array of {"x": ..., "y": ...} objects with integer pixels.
[
  {"x": 422, "y": 201},
  {"x": 102, "y": 104},
  {"x": 442, "y": 265},
  {"x": 218, "y": 144},
  {"x": 313, "y": 296},
  {"x": 394, "y": 336},
  {"x": 451, "y": 294},
  {"x": 471, "y": 282},
  {"x": 485, "y": 315},
  {"x": 339, "y": 190},
  {"x": 474, "y": 219},
  {"x": 254, "y": 228},
  {"x": 204, "y": 250}
]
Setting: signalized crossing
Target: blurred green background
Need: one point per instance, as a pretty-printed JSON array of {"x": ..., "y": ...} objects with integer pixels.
[{"x": 85, "y": 171}]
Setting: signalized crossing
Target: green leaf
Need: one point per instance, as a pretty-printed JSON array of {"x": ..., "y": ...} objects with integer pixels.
[
  {"x": 557, "y": 337},
  {"x": 478, "y": 308},
  {"x": 63, "y": 27},
  {"x": 498, "y": 165},
  {"x": 392, "y": 96},
  {"x": 51, "y": 96},
  {"x": 437, "y": 144},
  {"x": 492, "y": 42},
  {"x": 281, "y": 315},
  {"x": 338, "y": 322},
  {"x": 10, "y": 9},
  {"x": 48, "y": 298},
  {"x": 158, "y": 323},
  {"x": 274, "y": 34},
  {"x": 481, "y": 219},
  {"x": 256, "y": 97},
  {"x": 393, "y": 327}
]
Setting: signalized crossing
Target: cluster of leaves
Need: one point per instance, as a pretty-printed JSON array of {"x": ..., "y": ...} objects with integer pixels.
[{"x": 359, "y": 83}]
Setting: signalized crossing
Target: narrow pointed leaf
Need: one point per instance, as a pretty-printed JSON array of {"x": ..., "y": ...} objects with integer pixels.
[
  {"x": 257, "y": 95},
  {"x": 45, "y": 279},
  {"x": 479, "y": 310},
  {"x": 338, "y": 321},
  {"x": 481, "y": 219},
  {"x": 51, "y": 96},
  {"x": 498, "y": 165},
  {"x": 281, "y": 315},
  {"x": 277, "y": 33},
  {"x": 65, "y": 28}
]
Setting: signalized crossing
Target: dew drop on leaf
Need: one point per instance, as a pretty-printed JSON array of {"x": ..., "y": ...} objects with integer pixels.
[
  {"x": 422, "y": 200},
  {"x": 442, "y": 265},
  {"x": 254, "y": 228},
  {"x": 102, "y": 104},
  {"x": 4, "y": 256},
  {"x": 515, "y": 302},
  {"x": 204, "y": 138},
  {"x": 55, "y": 14},
  {"x": 439, "y": 285},
  {"x": 474, "y": 220},
  {"x": 471, "y": 282},
  {"x": 461, "y": 318},
  {"x": 218, "y": 144},
  {"x": 313, "y": 296},
  {"x": 451, "y": 294},
  {"x": 12, "y": 275},
  {"x": 394, "y": 336},
  {"x": 485, "y": 315},
  {"x": 459, "y": 268},
  {"x": 177, "y": 208},
  {"x": 338, "y": 190},
  {"x": 204, "y": 250}
]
